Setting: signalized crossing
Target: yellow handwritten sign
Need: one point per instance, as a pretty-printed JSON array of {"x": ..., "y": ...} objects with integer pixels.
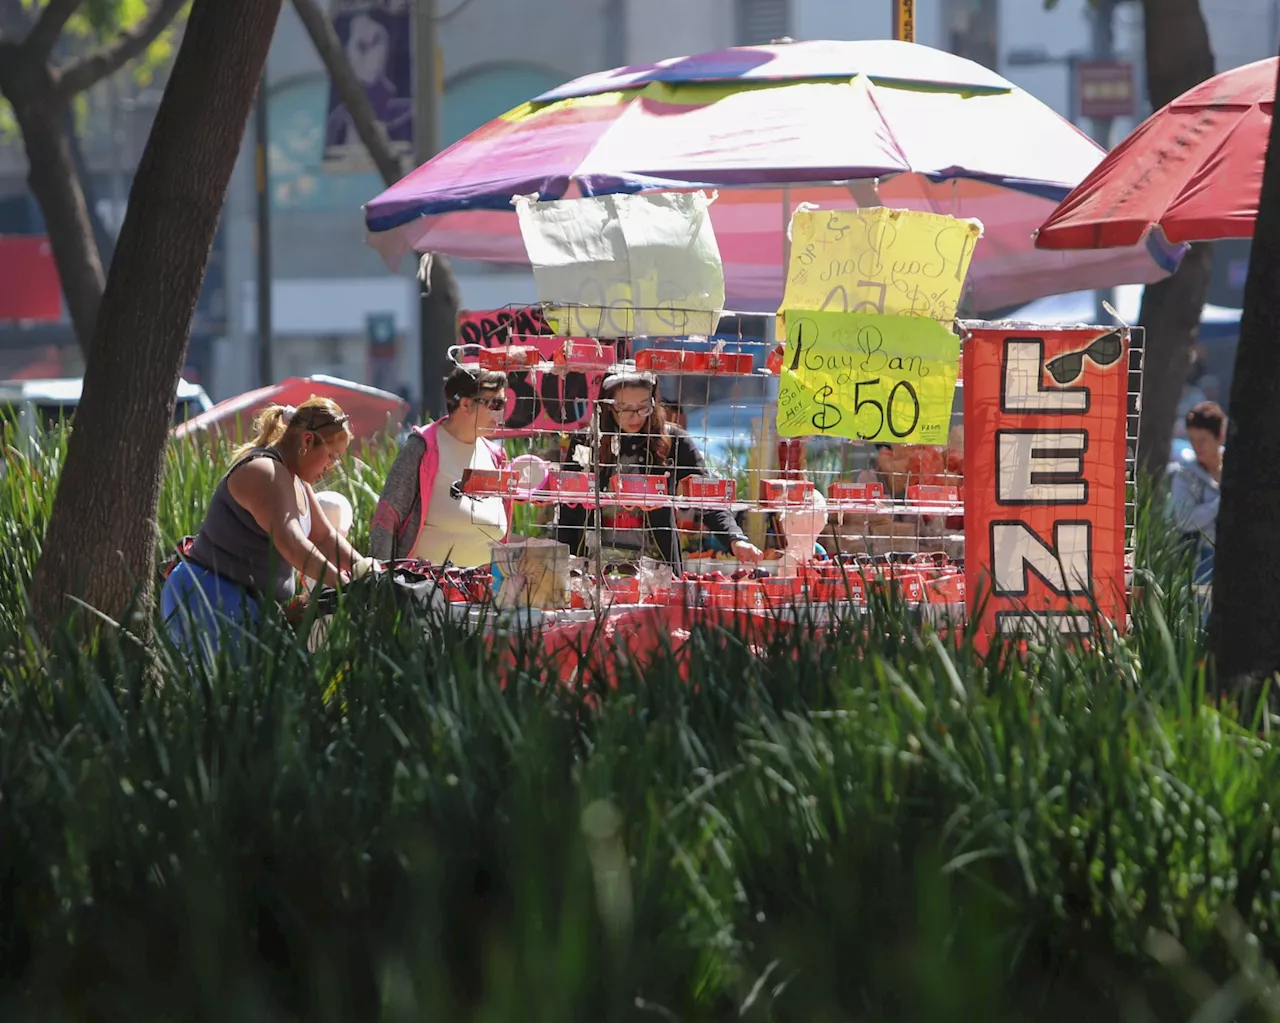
[
  {"x": 877, "y": 260},
  {"x": 864, "y": 376}
]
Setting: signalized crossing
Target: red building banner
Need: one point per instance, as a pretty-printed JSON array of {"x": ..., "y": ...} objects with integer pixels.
[
  {"x": 30, "y": 288},
  {"x": 1045, "y": 423},
  {"x": 536, "y": 401}
]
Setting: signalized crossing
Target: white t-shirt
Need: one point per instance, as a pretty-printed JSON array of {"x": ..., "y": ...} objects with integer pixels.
[{"x": 459, "y": 530}]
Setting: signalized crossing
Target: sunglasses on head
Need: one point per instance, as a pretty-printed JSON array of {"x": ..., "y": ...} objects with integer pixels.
[
  {"x": 319, "y": 420},
  {"x": 1103, "y": 352}
]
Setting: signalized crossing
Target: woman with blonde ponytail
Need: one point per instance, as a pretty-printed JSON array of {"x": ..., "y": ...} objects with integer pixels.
[{"x": 264, "y": 521}]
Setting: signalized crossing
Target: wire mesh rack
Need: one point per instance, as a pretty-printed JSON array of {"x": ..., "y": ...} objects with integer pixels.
[
  {"x": 821, "y": 513},
  {"x": 650, "y": 486}
]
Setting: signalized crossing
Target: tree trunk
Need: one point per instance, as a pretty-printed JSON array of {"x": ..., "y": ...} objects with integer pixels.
[
  {"x": 1178, "y": 57},
  {"x": 439, "y": 312},
  {"x": 41, "y": 114},
  {"x": 102, "y": 236},
  {"x": 439, "y": 305},
  {"x": 101, "y": 539},
  {"x": 1170, "y": 313},
  {"x": 1245, "y": 623}
]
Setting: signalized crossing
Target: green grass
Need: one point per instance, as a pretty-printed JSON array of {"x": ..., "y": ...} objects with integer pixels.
[{"x": 418, "y": 824}]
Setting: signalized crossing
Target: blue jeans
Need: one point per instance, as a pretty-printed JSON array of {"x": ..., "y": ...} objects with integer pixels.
[{"x": 203, "y": 611}]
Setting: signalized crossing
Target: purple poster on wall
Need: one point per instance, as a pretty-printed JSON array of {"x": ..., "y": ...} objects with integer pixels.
[{"x": 377, "y": 40}]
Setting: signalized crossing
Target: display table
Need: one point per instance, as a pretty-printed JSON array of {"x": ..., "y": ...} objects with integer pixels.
[{"x": 593, "y": 649}]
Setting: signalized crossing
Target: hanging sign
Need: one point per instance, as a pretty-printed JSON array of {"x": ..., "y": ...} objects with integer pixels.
[
  {"x": 877, "y": 260},
  {"x": 537, "y": 402},
  {"x": 864, "y": 376},
  {"x": 625, "y": 265},
  {"x": 1045, "y": 415}
]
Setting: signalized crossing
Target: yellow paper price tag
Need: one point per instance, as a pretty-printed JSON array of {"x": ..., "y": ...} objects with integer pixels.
[
  {"x": 864, "y": 376},
  {"x": 877, "y": 260}
]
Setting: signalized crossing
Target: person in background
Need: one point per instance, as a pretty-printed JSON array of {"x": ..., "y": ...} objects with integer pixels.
[
  {"x": 1194, "y": 486},
  {"x": 635, "y": 437},
  {"x": 421, "y": 513},
  {"x": 263, "y": 522}
]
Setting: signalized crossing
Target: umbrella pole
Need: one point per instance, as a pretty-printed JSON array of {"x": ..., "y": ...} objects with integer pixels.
[
  {"x": 262, "y": 151},
  {"x": 433, "y": 361}
]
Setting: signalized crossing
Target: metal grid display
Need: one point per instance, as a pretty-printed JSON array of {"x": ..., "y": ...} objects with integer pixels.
[{"x": 884, "y": 503}]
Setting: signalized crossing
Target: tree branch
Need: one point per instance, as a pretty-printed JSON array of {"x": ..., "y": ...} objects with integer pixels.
[
  {"x": 351, "y": 92},
  {"x": 90, "y": 69},
  {"x": 53, "y": 19}
]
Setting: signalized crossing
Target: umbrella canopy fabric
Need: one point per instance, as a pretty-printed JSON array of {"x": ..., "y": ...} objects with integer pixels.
[
  {"x": 836, "y": 124},
  {"x": 1192, "y": 170},
  {"x": 372, "y": 411}
]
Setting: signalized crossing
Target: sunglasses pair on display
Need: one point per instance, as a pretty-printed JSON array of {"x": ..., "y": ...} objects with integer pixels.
[{"x": 1103, "y": 352}]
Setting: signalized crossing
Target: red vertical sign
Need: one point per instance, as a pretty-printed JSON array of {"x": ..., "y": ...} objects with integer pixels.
[{"x": 1044, "y": 415}]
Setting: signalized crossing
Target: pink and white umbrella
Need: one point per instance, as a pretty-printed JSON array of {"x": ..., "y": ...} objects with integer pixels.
[{"x": 836, "y": 124}]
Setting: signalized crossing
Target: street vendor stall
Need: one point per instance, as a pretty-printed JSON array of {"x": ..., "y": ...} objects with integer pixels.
[
  {"x": 861, "y": 194},
  {"x": 994, "y": 492}
]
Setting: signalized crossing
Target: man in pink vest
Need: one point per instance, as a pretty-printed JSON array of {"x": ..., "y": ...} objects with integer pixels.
[{"x": 422, "y": 514}]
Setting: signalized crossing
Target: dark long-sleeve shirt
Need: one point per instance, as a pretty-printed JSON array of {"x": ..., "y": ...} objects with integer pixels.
[{"x": 684, "y": 459}]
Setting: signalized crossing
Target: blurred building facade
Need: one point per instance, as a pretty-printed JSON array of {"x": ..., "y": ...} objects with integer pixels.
[{"x": 329, "y": 287}]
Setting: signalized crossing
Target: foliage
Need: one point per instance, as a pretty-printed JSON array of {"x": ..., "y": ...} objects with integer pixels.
[
  {"x": 420, "y": 823},
  {"x": 98, "y": 23}
]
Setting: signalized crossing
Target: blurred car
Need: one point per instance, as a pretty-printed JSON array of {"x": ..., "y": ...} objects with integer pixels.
[
  {"x": 36, "y": 405},
  {"x": 723, "y": 428}
]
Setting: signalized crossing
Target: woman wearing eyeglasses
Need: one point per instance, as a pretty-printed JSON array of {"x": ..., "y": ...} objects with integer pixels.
[
  {"x": 635, "y": 437},
  {"x": 263, "y": 523},
  {"x": 421, "y": 514}
]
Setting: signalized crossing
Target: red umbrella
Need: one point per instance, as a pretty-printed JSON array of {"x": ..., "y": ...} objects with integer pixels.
[
  {"x": 372, "y": 411},
  {"x": 1193, "y": 169}
]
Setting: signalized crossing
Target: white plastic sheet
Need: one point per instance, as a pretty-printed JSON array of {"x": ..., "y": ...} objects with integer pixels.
[{"x": 625, "y": 265}]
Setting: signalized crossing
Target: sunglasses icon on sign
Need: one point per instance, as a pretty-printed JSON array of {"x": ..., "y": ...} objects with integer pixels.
[{"x": 1102, "y": 352}]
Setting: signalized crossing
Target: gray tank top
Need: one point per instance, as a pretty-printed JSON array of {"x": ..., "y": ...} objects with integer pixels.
[{"x": 233, "y": 545}]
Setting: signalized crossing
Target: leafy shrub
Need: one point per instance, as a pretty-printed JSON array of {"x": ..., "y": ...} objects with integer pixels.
[{"x": 421, "y": 822}]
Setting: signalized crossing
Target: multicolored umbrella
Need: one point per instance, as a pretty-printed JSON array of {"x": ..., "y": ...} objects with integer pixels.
[
  {"x": 1193, "y": 170},
  {"x": 836, "y": 124}
]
